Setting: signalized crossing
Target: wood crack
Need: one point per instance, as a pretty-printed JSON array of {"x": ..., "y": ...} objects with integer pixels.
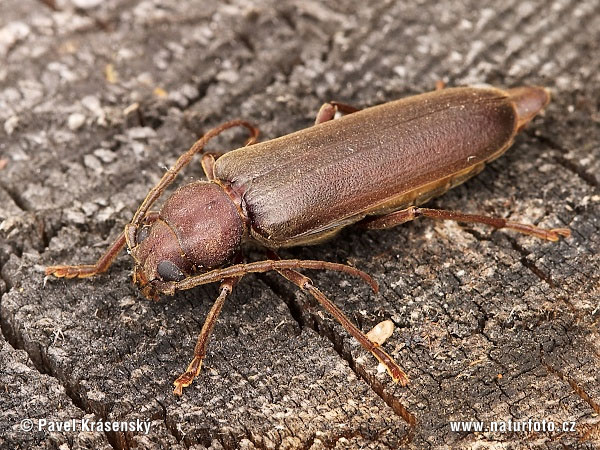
[
  {"x": 42, "y": 365},
  {"x": 299, "y": 315},
  {"x": 578, "y": 390}
]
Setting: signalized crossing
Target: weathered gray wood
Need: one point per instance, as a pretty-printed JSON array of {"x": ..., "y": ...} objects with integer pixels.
[
  {"x": 96, "y": 101},
  {"x": 27, "y": 397}
]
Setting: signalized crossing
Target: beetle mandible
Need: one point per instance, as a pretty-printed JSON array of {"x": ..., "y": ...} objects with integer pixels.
[{"x": 373, "y": 167}]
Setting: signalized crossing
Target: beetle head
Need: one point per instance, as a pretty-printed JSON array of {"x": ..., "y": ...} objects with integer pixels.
[{"x": 198, "y": 229}]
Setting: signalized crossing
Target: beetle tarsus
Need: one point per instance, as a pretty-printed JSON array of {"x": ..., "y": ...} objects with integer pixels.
[
  {"x": 552, "y": 235},
  {"x": 398, "y": 375},
  {"x": 83, "y": 271},
  {"x": 392, "y": 368},
  {"x": 188, "y": 376}
]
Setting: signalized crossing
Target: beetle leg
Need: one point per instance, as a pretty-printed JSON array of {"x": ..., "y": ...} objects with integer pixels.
[
  {"x": 305, "y": 284},
  {"x": 102, "y": 265},
  {"x": 193, "y": 369},
  {"x": 195, "y": 366},
  {"x": 89, "y": 270},
  {"x": 328, "y": 110},
  {"x": 411, "y": 213},
  {"x": 208, "y": 165},
  {"x": 208, "y": 159}
]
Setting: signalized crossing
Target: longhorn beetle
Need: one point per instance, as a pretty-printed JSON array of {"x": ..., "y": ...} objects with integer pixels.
[{"x": 373, "y": 167}]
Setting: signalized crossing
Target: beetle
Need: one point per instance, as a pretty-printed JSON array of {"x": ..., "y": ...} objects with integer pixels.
[{"x": 373, "y": 167}]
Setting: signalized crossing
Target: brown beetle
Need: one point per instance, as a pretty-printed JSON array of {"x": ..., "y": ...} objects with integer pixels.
[{"x": 372, "y": 167}]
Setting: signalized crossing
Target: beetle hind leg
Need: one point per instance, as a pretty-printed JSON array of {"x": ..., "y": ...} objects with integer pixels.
[{"x": 413, "y": 212}]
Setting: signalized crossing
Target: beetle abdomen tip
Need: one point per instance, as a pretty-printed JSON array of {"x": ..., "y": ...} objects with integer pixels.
[{"x": 529, "y": 101}]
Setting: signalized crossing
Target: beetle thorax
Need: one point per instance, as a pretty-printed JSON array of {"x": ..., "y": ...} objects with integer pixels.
[{"x": 197, "y": 229}]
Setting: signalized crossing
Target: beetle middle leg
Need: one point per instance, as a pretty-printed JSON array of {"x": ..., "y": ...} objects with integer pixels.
[
  {"x": 413, "y": 212},
  {"x": 328, "y": 110}
]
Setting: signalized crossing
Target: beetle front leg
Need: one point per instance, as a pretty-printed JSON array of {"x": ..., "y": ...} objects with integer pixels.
[
  {"x": 194, "y": 368},
  {"x": 208, "y": 159},
  {"x": 413, "y": 212},
  {"x": 103, "y": 264},
  {"x": 208, "y": 165},
  {"x": 89, "y": 270},
  {"x": 328, "y": 110}
]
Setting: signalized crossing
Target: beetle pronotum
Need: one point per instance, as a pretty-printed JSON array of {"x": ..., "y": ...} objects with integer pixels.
[{"x": 374, "y": 167}]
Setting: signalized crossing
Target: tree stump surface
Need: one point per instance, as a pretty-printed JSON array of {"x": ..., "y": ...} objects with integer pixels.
[{"x": 98, "y": 98}]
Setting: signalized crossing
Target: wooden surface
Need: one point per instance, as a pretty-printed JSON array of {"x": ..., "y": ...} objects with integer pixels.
[{"x": 96, "y": 101}]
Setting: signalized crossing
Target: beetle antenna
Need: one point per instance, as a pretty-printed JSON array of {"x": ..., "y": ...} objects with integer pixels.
[
  {"x": 268, "y": 265},
  {"x": 184, "y": 160},
  {"x": 306, "y": 284}
]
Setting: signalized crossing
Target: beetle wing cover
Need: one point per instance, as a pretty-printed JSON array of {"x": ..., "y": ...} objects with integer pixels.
[{"x": 310, "y": 182}]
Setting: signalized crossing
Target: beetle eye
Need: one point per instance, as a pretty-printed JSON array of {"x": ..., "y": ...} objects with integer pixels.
[
  {"x": 169, "y": 271},
  {"x": 142, "y": 234}
]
